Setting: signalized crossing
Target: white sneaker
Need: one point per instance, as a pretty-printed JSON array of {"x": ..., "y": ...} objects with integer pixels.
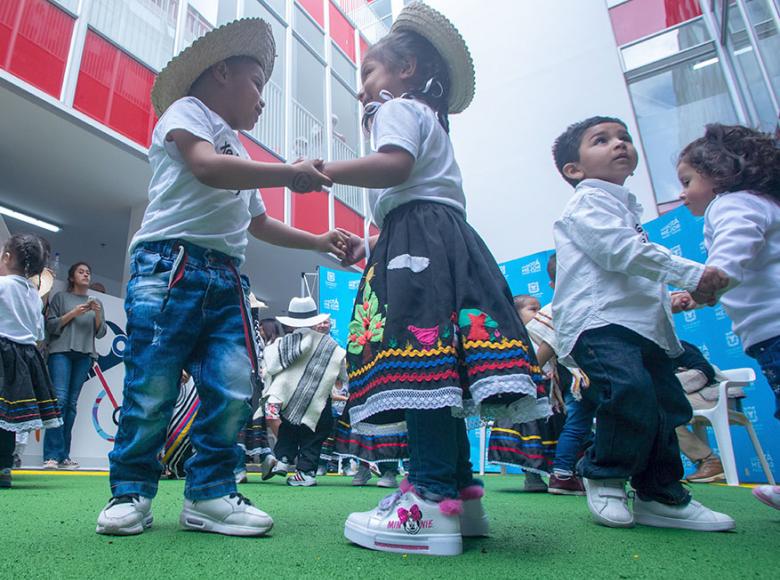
[
  {"x": 241, "y": 476},
  {"x": 362, "y": 476},
  {"x": 388, "y": 480},
  {"x": 280, "y": 468},
  {"x": 51, "y": 464},
  {"x": 301, "y": 479},
  {"x": 406, "y": 523},
  {"x": 69, "y": 464},
  {"x": 474, "y": 521},
  {"x": 125, "y": 515},
  {"x": 231, "y": 515},
  {"x": 608, "y": 503},
  {"x": 692, "y": 516},
  {"x": 768, "y": 494},
  {"x": 267, "y": 467}
]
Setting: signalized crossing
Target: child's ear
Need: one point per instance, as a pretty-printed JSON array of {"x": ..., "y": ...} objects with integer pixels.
[
  {"x": 220, "y": 71},
  {"x": 573, "y": 171},
  {"x": 409, "y": 68}
]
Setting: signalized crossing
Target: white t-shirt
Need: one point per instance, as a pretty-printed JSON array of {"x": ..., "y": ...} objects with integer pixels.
[
  {"x": 742, "y": 236},
  {"x": 21, "y": 311},
  {"x": 413, "y": 126},
  {"x": 180, "y": 206}
]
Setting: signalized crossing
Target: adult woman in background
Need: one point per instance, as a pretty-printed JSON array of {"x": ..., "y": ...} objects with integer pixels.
[{"x": 73, "y": 321}]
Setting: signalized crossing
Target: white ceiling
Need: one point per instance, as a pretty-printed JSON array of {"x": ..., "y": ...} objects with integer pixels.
[{"x": 59, "y": 168}]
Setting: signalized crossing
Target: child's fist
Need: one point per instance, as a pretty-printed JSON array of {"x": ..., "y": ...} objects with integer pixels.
[{"x": 307, "y": 176}]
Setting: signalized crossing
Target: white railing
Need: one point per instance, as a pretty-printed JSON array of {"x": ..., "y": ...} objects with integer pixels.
[
  {"x": 270, "y": 128},
  {"x": 349, "y": 194},
  {"x": 307, "y": 134},
  {"x": 360, "y": 12}
]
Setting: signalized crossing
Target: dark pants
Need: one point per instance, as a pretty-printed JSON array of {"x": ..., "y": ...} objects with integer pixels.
[
  {"x": 639, "y": 402},
  {"x": 7, "y": 445},
  {"x": 300, "y": 444},
  {"x": 767, "y": 353},
  {"x": 439, "y": 453}
]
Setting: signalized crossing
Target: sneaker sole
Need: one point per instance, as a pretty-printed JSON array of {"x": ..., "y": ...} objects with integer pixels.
[
  {"x": 139, "y": 528},
  {"x": 301, "y": 483},
  {"x": 557, "y": 491},
  {"x": 656, "y": 521},
  {"x": 478, "y": 529},
  {"x": 200, "y": 523},
  {"x": 765, "y": 500},
  {"x": 439, "y": 545},
  {"x": 711, "y": 479},
  {"x": 599, "y": 519},
  {"x": 387, "y": 484}
]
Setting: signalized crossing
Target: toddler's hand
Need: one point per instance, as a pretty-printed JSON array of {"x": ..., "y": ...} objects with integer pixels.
[
  {"x": 307, "y": 176},
  {"x": 682, "y": 301},
  {"x": 335, "y": 241},
  {"x": 355, "y": 251},
  {"x": 712, "y": 281}
]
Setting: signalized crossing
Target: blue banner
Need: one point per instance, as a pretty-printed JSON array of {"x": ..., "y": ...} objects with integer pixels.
[{"x": 337, "y": 291}]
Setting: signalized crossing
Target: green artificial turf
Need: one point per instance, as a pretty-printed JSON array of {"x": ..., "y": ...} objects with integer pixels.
[{"x": 47, "y": 526}]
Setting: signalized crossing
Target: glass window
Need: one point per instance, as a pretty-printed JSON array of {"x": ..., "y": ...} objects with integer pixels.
[
  {"x": 345, "y": 118},
  {"x": 201, "y": 17},
  {"x": 345, "y": 68},
  {"x": 666, "y": 44},
  {"x": 672, "y": 108},
  {"x": 270, "y": 128},
  {"x": 278, "y": 5},
  {"x": 309, "y": 30},
  {"x": 144, "y": 28},
  {"x": 308, "y": 104},
  {"x": 70, "y": 5},
  {"x": 766, "y": 23}
]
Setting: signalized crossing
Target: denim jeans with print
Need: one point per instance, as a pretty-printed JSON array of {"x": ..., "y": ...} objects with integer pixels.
[
  {"x": 439, "y": 453},
  {"x": 767, "y": 353},
  {"x": 639, "y": 401},
  {"x": 187, "y": 308}
]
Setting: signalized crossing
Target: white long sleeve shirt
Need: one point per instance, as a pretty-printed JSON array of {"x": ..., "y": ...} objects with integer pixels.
[
  {"x": 610, "y": 273},
  {"x": 742, "y": 237}
]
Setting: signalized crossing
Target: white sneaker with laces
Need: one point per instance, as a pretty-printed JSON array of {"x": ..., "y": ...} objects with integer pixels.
[
  {"x": 51, "y": 464},
  {"x": 692, "y": 516},
  {"x": 69, "y": 464},
  {"x": 301, "y": 479},
  {"x": 125, "y": 515},
  {"x": 408, "y": 524},
  {"x": 281, "y": 468},
  {"x": 608, "y": 502},
  {"x": 230, "y": 515}
]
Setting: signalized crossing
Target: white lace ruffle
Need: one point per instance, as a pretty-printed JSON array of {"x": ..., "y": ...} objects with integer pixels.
[
  {"x": 406, "y": 399},
  {"x": 387, "y": 429},
  {"x": 31, "y": 425}
]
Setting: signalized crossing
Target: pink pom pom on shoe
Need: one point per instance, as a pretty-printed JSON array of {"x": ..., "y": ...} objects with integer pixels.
[
  {"x": 451, "y": 507},
  {"x": 472, "y": 492}
]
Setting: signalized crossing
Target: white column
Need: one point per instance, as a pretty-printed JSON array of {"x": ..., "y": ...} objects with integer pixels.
[{"x": 75, "y": 53}]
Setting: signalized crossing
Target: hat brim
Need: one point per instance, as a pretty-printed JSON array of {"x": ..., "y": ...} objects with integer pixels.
[
  {"x": 442, "y": 34},
  {"x": 43, "y": 282},
  {"x": 303, "y": 322},
  {"x": 250, "y": 37}
]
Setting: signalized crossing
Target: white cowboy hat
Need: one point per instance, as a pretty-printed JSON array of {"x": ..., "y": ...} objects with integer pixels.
[
  {"x": 302, "y": 312},
  {"x": 43, "y": 282},
  {"x": 245, "y": 37},
  {"x": 434, "y": 26},
  {"x": 255, "y": 303}
]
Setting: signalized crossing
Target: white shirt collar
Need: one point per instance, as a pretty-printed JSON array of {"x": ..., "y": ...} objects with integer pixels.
[{"x": 621, "y": 193}]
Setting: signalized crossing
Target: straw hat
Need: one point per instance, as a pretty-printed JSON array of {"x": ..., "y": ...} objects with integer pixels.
[
  {"x": 43, "y": 282},
  {"x": 302, "y": 312},
  {"x": 441, "y": 33},
  {"x": 255, "y": 303},
  {"x": 245, "y": 37}
]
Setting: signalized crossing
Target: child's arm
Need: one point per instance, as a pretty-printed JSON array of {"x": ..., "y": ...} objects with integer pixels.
[
  {"x": 389, "y": 167},
  {"x": 231, "y": 172},
  {"x": 271, "y": 230},
  {"x": 597, "y": 228}
]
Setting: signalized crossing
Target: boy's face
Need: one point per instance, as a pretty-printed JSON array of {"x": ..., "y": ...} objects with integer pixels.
[
  {"x": 243, "y": 84},
  {"x": 527, "y": 309},
  {"x": 698, "y": 190},
  {"x": 607, "y": 152}
]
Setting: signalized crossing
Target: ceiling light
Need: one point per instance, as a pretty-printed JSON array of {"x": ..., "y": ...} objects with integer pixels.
[{"x": 29, "y": 219}]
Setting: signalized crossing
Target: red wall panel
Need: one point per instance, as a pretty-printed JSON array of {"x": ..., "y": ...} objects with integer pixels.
[
  {"x": 310, "y": 211},
  {"x": 372, "y": 230},
  {"x": 363, "y": 47},
  {"x": 35, "y": 39},
  {"x": 341, "y": 31},
  {"x": 115, "y": 89},
  {"x": 345, "y": 217},
  {"x": 273, "y": 197},
  {"x": 315, "y": 10},
  {"x": 637, "y": 18}
]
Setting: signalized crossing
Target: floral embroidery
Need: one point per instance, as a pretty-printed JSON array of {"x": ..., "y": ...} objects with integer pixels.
[
  {"x": 368, "y": 324},
  {"x": 481, "y": 326}
]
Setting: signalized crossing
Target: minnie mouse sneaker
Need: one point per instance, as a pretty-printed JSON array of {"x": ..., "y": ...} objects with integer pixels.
[{"x": 406, "y": 523}]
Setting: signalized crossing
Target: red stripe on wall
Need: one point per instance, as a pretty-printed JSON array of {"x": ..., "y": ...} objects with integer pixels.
[
  {"x": 363, "y": 47},
  {"x": 35, "y": 39},
  {"x": 273, "y": 197},
  {"x": 315, "y": 10},
  {"x": 347, "y": 218},
  {"x": 341, "y": 31},
  {"x": 638, "y": 18},
  {"x": 310, "y": 211}
]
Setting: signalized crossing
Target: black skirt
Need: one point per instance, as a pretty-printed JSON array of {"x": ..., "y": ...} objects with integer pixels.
[
  {"x": 27, "y": 399},
  {"x": 434, "y": 326}
]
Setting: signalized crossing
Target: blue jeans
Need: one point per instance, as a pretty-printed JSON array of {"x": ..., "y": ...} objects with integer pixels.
[
  {"x": 638, "y": 402},
  {"x": 576, "y": 430},
  {"x": 68, "y": 371},
  {"x": 767, "y": 353},
  {"x": 439, "y": 453},
  {"x": 184, "y": 311}
]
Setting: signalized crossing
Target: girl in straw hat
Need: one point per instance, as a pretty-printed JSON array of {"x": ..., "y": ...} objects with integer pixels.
[
  {"x": 27, "y": 399},
  {"x": 186, "y": 303},
  {"x": 434, "y": 334}
]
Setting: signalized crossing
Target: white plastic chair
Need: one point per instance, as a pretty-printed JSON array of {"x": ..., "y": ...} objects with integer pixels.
[{"x": 720, "y": 417}]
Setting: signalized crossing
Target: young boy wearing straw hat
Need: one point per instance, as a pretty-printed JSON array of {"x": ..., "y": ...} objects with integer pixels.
[{"x": 186, "y": 302}]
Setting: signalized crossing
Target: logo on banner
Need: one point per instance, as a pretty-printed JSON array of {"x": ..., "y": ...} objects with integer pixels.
[
  {"x": 689, "y": 316},
  {"x": 533, "y": 287},
  {"x": 732, "y": 340},
  {"x": 353, "y": 284},
  {"x": 331, "y": 304},
  {"x": 330, "y": 279},
  {"x": 702, "y": 248},
  {"x": 750, "y": 413},
  {"x": 755, "y": 463},
  {"x": 676, "y": 250},
  {"x": 531, "y": 268},
  {"x": 705, "y": 350},
  {"x": 720, "y": 313},
  {"x": 673, "y": 227}
]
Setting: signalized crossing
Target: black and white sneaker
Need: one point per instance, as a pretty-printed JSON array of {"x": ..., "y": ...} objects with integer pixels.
[{"x": 125, "y": 515}]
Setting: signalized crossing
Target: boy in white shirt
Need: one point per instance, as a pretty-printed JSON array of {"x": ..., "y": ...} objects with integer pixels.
[
  {"x": 187, "y": 305},
  {"x": 613, "y": 318}
]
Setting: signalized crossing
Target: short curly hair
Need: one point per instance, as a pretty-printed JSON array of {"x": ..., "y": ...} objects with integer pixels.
[
  {"x": 566, "y": 148},
  {"x": 736, "y": 158}
]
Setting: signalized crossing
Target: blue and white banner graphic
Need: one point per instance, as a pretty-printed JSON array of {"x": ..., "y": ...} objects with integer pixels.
[{"x": 337, "y": 291}]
